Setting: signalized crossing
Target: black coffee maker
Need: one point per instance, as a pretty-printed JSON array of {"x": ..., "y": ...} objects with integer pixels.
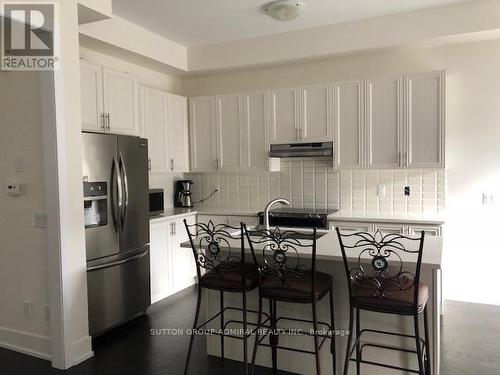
[{"x": 183, "y": 193}]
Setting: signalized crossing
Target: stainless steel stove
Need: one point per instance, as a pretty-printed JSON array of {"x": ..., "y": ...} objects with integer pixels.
[{"x": 287, "y": 217}]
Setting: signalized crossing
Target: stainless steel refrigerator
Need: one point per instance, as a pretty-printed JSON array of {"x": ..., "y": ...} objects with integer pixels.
[{"x": 115, "y": 181}]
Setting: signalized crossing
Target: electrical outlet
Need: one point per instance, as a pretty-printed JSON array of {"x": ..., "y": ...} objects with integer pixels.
[
  {"x": 488, "y": 199},
  {"x": 19, "y": 164},
  {"x": 380, "y": 191},
  {"x": 407, "y": 191},
  {"x": 27, "y": 310}
]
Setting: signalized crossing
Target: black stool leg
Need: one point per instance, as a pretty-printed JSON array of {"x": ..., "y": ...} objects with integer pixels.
[
  {"x": 333, "y": 348},
  {"x": 349, "y": 341},
  {"x": 245, "y": 337},
  {"x": 273, "y": 337},
  {"x": 358, "y": 343},
  {"x": 419, "y": 347},
  {"x": 257, "y": 336},
  {"x": 195, "y": 325},
  {"x": 427, "y": 349},
  {"x": 222, "y": 325},
  {"x": 316, "y": 343}
]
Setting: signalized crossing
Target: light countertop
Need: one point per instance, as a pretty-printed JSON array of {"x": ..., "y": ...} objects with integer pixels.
[
  {"x": 173, "y": 213},
  {"x": 347, "y": 216},
  {"x": 328, "y": 248},
  {"x": 387, "y": 217}
]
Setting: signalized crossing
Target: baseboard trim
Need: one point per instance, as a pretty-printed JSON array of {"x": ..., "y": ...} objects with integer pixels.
[
  {"x": 27, "y": 343},
  {"x": 83, "y": 346}
]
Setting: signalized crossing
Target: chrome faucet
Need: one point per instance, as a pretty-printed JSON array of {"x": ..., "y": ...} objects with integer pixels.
[{"x": 268, "y": 207}]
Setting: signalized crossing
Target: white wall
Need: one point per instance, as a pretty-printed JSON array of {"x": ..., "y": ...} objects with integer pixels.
[
  {"x": 23, "y": 264},
  {"x": 473, "y": 132}
]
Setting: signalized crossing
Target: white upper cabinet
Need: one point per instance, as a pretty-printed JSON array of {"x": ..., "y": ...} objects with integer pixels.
[
  {"x": 255, "y": 142},
  {"x": 178, "y": 133},
  {"x": 109, "y": 100},
  {"x": 154, "y": 115},
  {"x": 425, "y": 116},
  {"x": 316, "y": 113},
  {"x": 229, "y": 134},
  {"x": 349, "y": 124},
  {"x": 121, "y": 98},
  {"x": 91, "y": 97},
  {"x": 284, "y": 114},
  {"x": 203, "y": 134},
  {"x": 384, "y": 123}
]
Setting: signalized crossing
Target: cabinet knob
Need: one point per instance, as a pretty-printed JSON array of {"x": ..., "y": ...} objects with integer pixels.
[
  {"x": 108, "y": 122},
  {"x": 171, "y": 164},
  {"x": 149, "y": 164}
]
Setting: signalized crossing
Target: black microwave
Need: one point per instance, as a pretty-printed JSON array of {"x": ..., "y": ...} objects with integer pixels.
[{"x": 156, "y": 201}]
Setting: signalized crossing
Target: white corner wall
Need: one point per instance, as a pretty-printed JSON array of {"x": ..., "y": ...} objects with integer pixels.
[
  {"x": 23, "y": 264},
  {"x": 472, "y": 144}
]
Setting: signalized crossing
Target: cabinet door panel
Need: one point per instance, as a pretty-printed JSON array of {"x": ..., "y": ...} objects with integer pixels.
[
  {"x": 154, "y": 125},
  {"x": 183, "y": 266},
  {"x": 202, "y": 131},
  {"x": 178, "y": 133},
  {"x": 425, "y": 119},
  {"x": 161, "y": 282},
  {"x": 316, "y": 113},
  {"x": 121, "y": 101},
  {"x": 389, "y": 228},
  {"x": 91, "y": 97},
  {"x": 284, "y": 115},
  {"x": 384, "y": 123},
  {"x": 229, "y": 118},
  {"x": 430, "y": 230},
  {"x": 352, "y": 227},
  {"x": 255, "y": 127},
  {"x": 349, "y": 124}
]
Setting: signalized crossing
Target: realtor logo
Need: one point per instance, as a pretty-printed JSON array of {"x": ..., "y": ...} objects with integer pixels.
[{"x": 29, "y": 36}]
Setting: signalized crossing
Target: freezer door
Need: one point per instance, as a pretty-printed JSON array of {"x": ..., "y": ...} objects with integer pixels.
[
  {"x": 134, "y": 216},
  {"x": 118, "y": 291},
  {"x": 99, "y": 162}
]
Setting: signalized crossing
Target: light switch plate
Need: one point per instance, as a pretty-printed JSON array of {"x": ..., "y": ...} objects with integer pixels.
[
  {"x": 39, "y": 220},
  {"x": 14, "y": 189}
]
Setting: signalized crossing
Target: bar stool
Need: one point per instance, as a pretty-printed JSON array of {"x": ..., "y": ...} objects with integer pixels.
[
  {"x": 380, "y": 280},
  {"x": 219, "y": 254},
  {"x": 284, "y": 277}
]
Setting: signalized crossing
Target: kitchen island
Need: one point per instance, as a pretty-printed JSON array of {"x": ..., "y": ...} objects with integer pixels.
[{"x": 330, "y": 260}]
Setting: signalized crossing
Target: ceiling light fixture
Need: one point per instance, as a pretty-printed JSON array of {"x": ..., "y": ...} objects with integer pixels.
[{"x": 284, "y": 10}]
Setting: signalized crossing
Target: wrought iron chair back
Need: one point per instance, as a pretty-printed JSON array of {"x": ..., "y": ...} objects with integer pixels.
[
  {"x": 382, "y": 264},
  {"x": 217, "y": 248},
  {"x": 281, "y": 254}
]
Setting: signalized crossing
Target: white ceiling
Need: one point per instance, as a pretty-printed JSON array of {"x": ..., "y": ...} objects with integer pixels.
[{"x": 200, "y": 22}]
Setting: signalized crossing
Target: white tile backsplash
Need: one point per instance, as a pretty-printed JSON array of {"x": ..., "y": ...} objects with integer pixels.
[{"x": 313, "y": 183}]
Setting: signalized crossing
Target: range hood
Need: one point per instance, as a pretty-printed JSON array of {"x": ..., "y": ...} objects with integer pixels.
[{"x": 295, "y": 150}]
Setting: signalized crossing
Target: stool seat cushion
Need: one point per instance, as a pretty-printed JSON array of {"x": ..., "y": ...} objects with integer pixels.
[
  {"x": 396, "y": 300},
  {"x": 297, "y": 289},
  {"x": 230, "y": 278}
]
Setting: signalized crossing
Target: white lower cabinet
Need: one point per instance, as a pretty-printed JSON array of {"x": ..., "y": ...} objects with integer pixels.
[{"x": 172, "y": 267}]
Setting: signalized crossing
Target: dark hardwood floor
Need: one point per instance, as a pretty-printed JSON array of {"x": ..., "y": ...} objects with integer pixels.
[{"x": 471, "y": 345}]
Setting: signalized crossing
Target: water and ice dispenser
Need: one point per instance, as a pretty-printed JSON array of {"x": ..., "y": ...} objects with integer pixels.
[{"x": 95, "y": 204}]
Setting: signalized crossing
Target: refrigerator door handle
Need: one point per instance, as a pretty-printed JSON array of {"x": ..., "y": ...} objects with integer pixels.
[
  {"x": 118, "y": 262},
  {"x": 123, "y": 170},
  {"x": 116, "y": 204}
]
